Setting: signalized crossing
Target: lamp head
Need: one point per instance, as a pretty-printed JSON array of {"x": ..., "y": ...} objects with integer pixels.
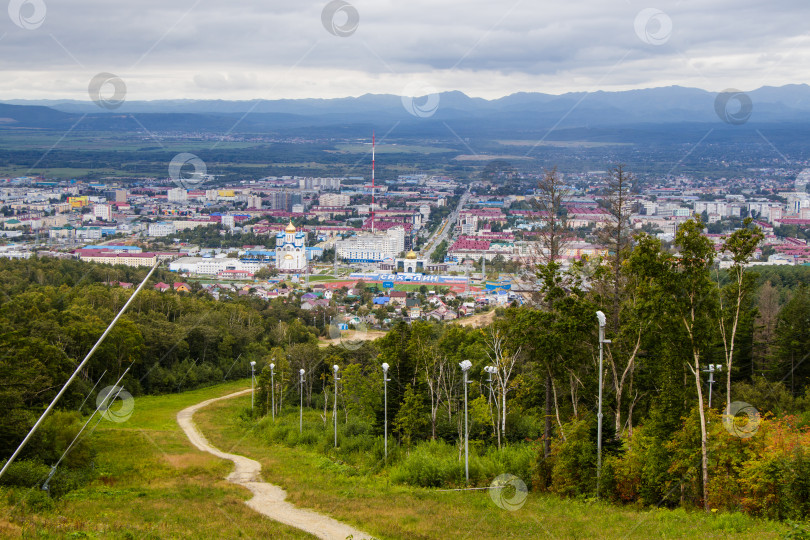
[
  {"x": 301, "y": 371},
  {"x": 336, "y": 368},
  {"x": 465, "y": 365},
  {"x": 272, "y": 366},
  {"x": 385, "y": 367},
  {"x": 252, "y": 363},
  {"x": 602, "y": 318}
]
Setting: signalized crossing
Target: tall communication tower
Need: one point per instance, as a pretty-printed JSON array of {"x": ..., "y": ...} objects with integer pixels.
[{"x": 373, "y": 144}]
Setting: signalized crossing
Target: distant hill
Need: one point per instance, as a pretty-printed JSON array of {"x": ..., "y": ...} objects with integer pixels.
[
  {"x": 623, "y": 116},
  {"x": 31, "y": 116}
]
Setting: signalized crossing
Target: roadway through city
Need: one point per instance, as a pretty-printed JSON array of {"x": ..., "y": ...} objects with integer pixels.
[{"x": 447, "y": 227}]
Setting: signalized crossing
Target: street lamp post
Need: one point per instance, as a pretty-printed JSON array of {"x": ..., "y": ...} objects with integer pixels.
[
  {"x": 273, "y": 390},
  {"x": 301, "y": 391},
  {"x": 385, "y": 406},
  {"x": 602, "y": 322},
  {"x": 335, "y": 368},
  {"x": 712, "y": 368},
  {"x": 465, "y": 367},
  {"x": 252, "y": 380},
  {"x": 489, "y": 371}
]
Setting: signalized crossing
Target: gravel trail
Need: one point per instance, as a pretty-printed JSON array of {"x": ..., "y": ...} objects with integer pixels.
[{"x": 267, "y": 498}]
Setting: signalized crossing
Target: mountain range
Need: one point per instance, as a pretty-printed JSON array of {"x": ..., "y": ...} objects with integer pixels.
[{"x": 521, "y": 115}]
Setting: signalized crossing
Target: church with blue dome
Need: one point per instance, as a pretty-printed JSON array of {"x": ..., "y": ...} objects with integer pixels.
[{"x": 291, "y": 250}]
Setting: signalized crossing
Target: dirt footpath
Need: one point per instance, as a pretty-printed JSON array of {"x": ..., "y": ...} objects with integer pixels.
[
  {"x": 267, "y": 498},
  {"x": 479, "y": 320}
]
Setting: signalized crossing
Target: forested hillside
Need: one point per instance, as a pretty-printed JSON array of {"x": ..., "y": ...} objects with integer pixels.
[{"x": 533, "y": 411}]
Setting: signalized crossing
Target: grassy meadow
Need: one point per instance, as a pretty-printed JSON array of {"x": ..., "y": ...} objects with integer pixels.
[
  {"x": 151, "y": 483},
  {"x": 373, "y": 503}
]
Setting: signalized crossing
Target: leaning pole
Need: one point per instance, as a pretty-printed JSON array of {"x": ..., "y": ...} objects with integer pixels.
[{"x": 78, "y": 369}]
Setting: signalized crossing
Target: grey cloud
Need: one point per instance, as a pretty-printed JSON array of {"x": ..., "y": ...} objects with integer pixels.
[{"x": 227, "y": 46}]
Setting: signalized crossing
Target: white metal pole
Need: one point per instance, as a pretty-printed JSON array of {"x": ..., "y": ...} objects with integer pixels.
[
  {"x": 252, "y": 383},
  {"x": 273, "y": 390},
  {"x": 336, "y": 368},
  {"x": 602, "y": 322},
  {"x": 301, "y": 391},
  {"x": 78, "y": 369},
  {"x": 466, "y": 434},
  {"x": 465, "y": 367},
  {"x": 385, "y": 407},
  {"x": 599, "y": 419}
]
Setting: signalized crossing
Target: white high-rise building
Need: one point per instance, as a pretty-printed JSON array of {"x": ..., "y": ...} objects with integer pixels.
[
  {"x": 334, "y": 199},
  {"x": 160, "y": 228},
  {"x": 372, "y": 247},
  {"x": 102, "y": 211},
  {"x": 177, "y": 195},
  {"x": 254, "y": 201},
  {"x": 319, "y": 183},
  {"x": 291, "y": 250}
]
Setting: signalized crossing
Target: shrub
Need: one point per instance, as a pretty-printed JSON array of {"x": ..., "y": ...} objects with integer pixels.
[
  {"x": 574, "y": 470},
  {"x": 518, "y": 459},
  {"x": 775, "y": 482},
  {"x": 625, "y": 473},
  {"x": 58, "y": 430},
  {"x": 25, "y": 473},
  {"x": 30, "y": 499},
  {"x": 430, "y": 464},
  {"x": 439, "y": 464}
]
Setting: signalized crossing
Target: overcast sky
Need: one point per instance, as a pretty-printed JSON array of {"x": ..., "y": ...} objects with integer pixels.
[{"x": 206, "y": 49}]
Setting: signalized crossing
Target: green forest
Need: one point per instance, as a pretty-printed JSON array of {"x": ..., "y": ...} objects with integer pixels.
[
  {"x": 532, "y": 412},
  {"x": 535, "y": 415}
]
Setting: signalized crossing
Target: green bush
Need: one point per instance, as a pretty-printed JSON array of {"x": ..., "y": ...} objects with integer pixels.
[
  {"x": 25, "y": 473},
  {"x": 57, "y": 432},
  {"x": 517, "y": 459},
  {"x": 523, "y": 425},
  {"x": 430, "y": 464},
  {"x": 30, "y": 499},
  {"x": 309, "y": 438},
  {"x": 439, "y": 464},
  {"x": 66, "y": 480},
  {"x": 574, "y": 470}
]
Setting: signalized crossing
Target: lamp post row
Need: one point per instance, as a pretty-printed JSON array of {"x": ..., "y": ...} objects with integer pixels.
[{"x": 465, "y": 368}]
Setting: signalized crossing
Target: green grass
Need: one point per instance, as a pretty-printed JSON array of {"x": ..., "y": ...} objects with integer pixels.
[
  {"x": 561, "y": 144},
  {"x": 66, "y": 173},
  {"x": 151, "y": 484},
  {"x": 112, "y": 141},
  {"x": 372, "y": 503},
  {"x": 323, "y": 278},
  {"x": 393, "y": 149}
]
